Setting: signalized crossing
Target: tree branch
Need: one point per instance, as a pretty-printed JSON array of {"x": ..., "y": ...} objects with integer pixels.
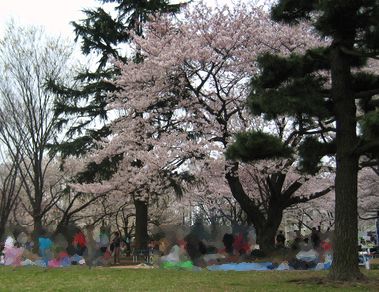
[{"x": 303, "y": 199}]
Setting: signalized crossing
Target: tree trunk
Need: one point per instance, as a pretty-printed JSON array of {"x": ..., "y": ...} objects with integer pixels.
[
  {"x": 62, "y": 226},
  {"x": 37, "y": 231},
  {"x": 266, "y": 233},
  {"x": 3, "y": 223},
  {"x": 141, "y": 224},
  {"x": 266, "y": 227},
  {"x": 4, "y": 216},
  {"x": 345, "y": 253},
  {"x": 246, "y": 204},
  {"x": 2, "y": 230},
  {"x": 125, "y": 227},
  {"x": 266, "y": 239}
]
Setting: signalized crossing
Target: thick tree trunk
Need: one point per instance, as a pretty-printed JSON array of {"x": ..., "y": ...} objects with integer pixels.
[
  {"x": 266, "y": 225},
  {"x": 266, "y": 233},
  {"x": 345, "y": 253},
  {"x": 266, "y": 238},
  {"x": 37, "y": 231},
  {"x": 4, "y": 215},
  {"x": 3, "y": 223},
  {"x": 61, "y": 229},
  {"x": 239, "y": 194},
  {"x": 2, "y": 230},
  {"x": 141, "y": 236}
]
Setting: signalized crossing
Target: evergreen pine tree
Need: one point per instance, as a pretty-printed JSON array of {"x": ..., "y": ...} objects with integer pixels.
[
  {"x": 102, "y": 33},
  {"x": 333, "y": 103}
]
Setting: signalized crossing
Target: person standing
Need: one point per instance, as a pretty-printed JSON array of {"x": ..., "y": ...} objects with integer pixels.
[
  {"x": 315, "y": 238},
  {"x": 90, "y": 253},
  {"x": 103, "y": 240},
  {"x": 116, "y": 243},
  {"x": 79, "y": 242},
  {"x": 45, "y": 246}
]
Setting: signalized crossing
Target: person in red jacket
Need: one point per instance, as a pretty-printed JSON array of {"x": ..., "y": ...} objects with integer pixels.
[{"x": 79, "y": 242}]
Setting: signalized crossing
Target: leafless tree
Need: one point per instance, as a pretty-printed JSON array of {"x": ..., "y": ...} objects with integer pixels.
[
  {"x": 29, "y": 59},
  {"x": 10, "y": 188}
]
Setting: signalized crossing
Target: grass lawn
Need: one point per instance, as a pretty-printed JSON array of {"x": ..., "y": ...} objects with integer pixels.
[{"x": 118, "y": 279}]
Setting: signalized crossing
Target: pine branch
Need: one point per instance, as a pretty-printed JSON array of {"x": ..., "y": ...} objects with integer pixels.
[
  {"x": 357, "y": 53},
  {"x": 367, "y": 94}
]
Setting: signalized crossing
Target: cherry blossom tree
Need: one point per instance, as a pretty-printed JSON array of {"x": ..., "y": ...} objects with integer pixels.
[
  {"x": 70, "y": 206},
  {"x": 318, "y": 213},
  {"x": 368, "y": 193},
  {"x": 187, "y": 100},
  {"x": 211, "y": 195}
]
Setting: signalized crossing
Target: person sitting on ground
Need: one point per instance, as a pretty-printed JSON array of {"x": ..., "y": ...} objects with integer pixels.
[
  {"x": 195, "y": 248},
  {"x": 296, "y": 243},
  {"x": 326, "y": 245},
  {"x": 280, "y": 240},
  {"x": 304, "y": 245},
  {"x": 240, "y": 244},
  {"x": 228, "y": 241}
]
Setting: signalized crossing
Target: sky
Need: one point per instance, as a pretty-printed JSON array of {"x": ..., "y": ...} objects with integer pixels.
[{"x": 54, "y": 15}]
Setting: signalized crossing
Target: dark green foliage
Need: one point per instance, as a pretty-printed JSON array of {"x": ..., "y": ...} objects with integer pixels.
[
  {"x": 370, "y": 129},
  {"x": 102, "y": 33},
  {"x": 176, "y": 182},
  {"x": 352, "y": 28},
  {"x": 293, "y": 11},
  {"x": 370, "y": 126},
  {"x": 257, "y": 145},
  {"x": 100, "y": 171},
  {"x": 363, "y": 81},
  {"x": 276, "y": 69},
  {"x": 86, "y": 102},
  {"x": 293, "y": 86},
  {"x": 311, "y": 150},
  {"x": 282, "y": 80},
  {"x": 80, "y": 145},
  {"x": 356, "y": 20},
  {"x": 283, "y": 100}
]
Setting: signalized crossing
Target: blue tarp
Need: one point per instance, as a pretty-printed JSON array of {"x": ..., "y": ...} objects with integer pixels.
[{"x": 242, "y": 267}]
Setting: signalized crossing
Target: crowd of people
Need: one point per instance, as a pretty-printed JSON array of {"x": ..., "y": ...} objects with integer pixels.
[
  {"x": 79, "y": 247},
  {"x": 306, "y": 252},
  {"x": 82, "y": 247}
]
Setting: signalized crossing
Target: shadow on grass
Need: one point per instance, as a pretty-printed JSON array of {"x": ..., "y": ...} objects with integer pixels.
[{"x": 367, "y": 284}]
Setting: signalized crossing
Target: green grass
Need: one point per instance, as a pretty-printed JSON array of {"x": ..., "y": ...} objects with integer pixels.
[{"x": 106, "y": 279}]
